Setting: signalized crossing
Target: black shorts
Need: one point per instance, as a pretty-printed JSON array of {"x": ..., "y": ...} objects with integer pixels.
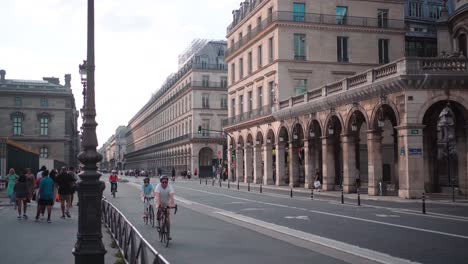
[{"x": 46, "y": 202}]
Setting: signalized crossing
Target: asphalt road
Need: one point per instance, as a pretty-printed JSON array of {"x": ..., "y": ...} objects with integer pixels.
[{"x": 240, "y": 226}]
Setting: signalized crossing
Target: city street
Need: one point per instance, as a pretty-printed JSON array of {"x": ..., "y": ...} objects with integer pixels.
[{"x": 242, "y": 226}]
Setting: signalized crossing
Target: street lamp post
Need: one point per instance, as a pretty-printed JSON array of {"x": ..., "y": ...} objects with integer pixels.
[{"x": 89, "y": 247}]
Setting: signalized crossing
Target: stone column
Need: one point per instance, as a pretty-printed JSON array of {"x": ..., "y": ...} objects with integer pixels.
[
  {"x": 230, "y": 160},
  {"x": 328, "y": 164},
  {"x": 248, "y": 156},
  {"x": 411, "y": 184},
  {"x": 257, "y": 160},
  {"x": 293, "y": 165},
  {"x": 349, "y": 163},
  {"x": 240, "y": 164},
  {"x": 462, "y": 148},
  {"x": 280, "y": 164},
  {"x": 268, "y": 168},
  {"x": 374, "y": 144},
  {"x": 308, "y": 170}
]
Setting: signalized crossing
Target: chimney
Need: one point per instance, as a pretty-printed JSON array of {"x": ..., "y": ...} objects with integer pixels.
[
  {"x": 68, "y": 80},
  {"x": 2, "y": 75},
  {"x": 52, "y": 80}
]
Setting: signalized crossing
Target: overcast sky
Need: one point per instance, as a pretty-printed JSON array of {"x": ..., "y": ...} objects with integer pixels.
[{"x": 136, "y": 43}]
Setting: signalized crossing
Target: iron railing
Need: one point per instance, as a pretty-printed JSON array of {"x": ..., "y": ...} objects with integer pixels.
[
  {"x": 134, "y": 248},
  {"x": 249, "y": 115}
]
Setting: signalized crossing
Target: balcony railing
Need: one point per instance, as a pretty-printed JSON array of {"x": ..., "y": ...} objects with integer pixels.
[
  {"x": 209, "y": 84},
  {"x": 313, "y": 18},
  {"x": 250, "y": 115}
]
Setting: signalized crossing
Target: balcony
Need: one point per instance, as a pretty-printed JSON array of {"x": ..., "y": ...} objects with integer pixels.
[
  {"x": 312, "y": 18},
  {"x": 247, "y": 116},
  {"x": 206, "y": 84}
]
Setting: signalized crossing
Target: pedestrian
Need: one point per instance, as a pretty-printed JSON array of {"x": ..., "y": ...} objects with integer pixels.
[
  {"x": 357, "y": 175},
  {"x": 65, "y": 182},
  {"x": 30, "y": 179},
  {"x": 36, "y": 187},
  {"x": 317, "y": 180},
  {"x": 21, "y": 193},
  {"x": 39, "y": 173},
  {"x": 46, "y": 195},
  {"x": 53, "y": 175},
  {"x": 189, "y": 174},
  {"x": 71, "y": 171},
  {"x": 11, "y": 181}
]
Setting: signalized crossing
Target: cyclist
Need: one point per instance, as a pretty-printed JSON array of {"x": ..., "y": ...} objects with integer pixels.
[
  {"x": 147, "y": 194},
  {"x": 164, "y": 197},
  {"x": 113, "y": 179}
]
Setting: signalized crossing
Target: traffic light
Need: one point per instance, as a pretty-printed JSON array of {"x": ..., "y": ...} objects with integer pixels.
[
  {"x": 199, "y": 130},
  {"x": 233, "y": 154}
]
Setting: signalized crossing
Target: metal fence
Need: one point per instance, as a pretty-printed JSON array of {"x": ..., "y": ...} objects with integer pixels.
[{"x": 134, "y": 248}]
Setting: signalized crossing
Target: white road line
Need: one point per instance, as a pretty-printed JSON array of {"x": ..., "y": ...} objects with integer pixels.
[
  {"x": 337, "y": 215},
  {"x": 432, "y": 215},
  {"x": 334, "y": 244}
]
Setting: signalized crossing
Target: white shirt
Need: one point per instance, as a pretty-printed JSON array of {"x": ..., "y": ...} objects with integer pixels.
[
  {"x": 164, "y": 194},
  {"x": 39, "y": 175}
]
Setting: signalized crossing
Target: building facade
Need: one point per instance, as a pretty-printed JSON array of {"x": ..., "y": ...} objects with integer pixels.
[
  {"x": 114, "y": 149},
  {"x": 41, "y": 115},
  {"x": 164, "y": 133},
  {"x": 381, "y": 126}
]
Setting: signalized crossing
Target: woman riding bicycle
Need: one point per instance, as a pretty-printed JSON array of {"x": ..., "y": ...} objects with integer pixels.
[
  {"x": 147, "y": 195},
  {"x": 164, "y": 197}
]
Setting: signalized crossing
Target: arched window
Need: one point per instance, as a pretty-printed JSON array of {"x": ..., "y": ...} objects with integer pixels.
[{"x": 44, "y": 152}]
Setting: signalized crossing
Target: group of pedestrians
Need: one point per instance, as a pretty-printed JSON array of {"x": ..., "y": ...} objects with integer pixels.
[{"x": 45, "y": 188}]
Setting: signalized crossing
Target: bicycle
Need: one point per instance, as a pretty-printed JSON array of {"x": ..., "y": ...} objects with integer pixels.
[
  {"x": 149, "y": 211},
  {"x": 113, "y": 188},
  {"x": 165, "y": 227}
]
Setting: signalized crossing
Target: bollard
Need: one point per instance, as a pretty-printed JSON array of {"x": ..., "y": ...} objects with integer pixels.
[
  {"x": 220, "y": 183},
  {"x": 237, "y": 185},
  {"x": 291, "y": 193},
  {"x": 200, "y": 180},
  {"x": 206, "y": 181},
  {"x": 358, "y": 197},
  {"x": 342, "y": 196},
  {"x": 311, "y": 194},
  {"x": 260, "y": 188},
  {"x": 229, "y": 183},
  {"x": 423, "y": 204},
  {"x": 212, "y": 182},
  {"x": 248, "y": 186}
]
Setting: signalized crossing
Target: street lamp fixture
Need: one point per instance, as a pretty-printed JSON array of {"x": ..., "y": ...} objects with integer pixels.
[
  {"x": 381, "y": 119},
  {"x": 331, "y": 129},
  {"x": 354, "y": 126}
]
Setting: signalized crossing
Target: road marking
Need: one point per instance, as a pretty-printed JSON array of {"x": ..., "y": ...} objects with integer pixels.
[
  {"x": 334, "y": 244},
  {"x": 386, "y": 215},
  {"x": 300, "y": 217},
  {"x": 337, "y": 215},
  {"x": 236, "y": 203},
  {"x": 252, "y": 209}
]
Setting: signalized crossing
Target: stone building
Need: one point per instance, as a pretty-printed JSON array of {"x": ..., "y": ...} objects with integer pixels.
[
  {"x": 305, "y": 115},
  {"x": 164, "y": 133},
  {"x": 114, "y": 149},
  {"x": 41, "y": 115}
]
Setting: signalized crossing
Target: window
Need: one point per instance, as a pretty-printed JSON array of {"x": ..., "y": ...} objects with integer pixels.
[
  {"x": 270, "y": 14},
  {"x": 382, "y": 18},
  {"x": 206, "y": 127},
  {"x": 241, "y": 68},
  {"x": 260, "y": 97},
  {"x": 44, "y": 152},
  {"x": 249, "y": 62},
  {"x": 18, "y": 101},
  {"x": 223, "y": 82},
  {"x": 205, "y": 100},
  {"x": 342, "y": 49},
  {"x": 259, "y": 21},
  {"x": 240, "y": 38},
  {"x": 232, "y": 43},
  {"x": 270, "y": 50},
  {"x": 249, "y": 30},
  {"x": 271, "y": 89},
  {"x": 233, "y": 72},
  {"x": 341, "y": 15},
  {"x": 44, "y": 101},
  {"x": 298, "y": 11},
  {"x": 224, "y": 101},
  {"x": 300, "y": 86},
  {"x": 383, "y": 51},
  {"x": 17, "y": 125},
  {"x": 205, "y": 81},
  {"x": 434, "y": 11},
  {"x": 241, "y": 104},
  {"x": 299, "y": 47},
  {"x": 260, "y": 56},
  {"x": 250, "y": 106},
  {"x": 44, "y": 125},
  {"x": 233, "y": 106},
  {"x": 415, "y": 9}
]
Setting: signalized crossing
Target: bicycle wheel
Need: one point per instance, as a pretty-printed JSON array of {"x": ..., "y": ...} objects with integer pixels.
[
  {"x": 168, "y": 232},
  {"x": 162, "y": 229},
  {"x": 151, "y": 215},
  {"x": 145, "y": 217}
]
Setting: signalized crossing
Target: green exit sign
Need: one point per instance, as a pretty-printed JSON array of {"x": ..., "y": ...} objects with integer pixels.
[{"x": 414, "y": 131}]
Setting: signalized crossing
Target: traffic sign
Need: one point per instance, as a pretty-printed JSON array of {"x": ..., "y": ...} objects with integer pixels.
[{"x": 219, "y": 154}]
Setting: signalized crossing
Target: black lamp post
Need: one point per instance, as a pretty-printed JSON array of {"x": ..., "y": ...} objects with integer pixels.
[{"x": 89, "y": 247}]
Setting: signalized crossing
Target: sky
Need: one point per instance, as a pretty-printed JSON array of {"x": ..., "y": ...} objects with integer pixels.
[{"x": 136, "y": 46}]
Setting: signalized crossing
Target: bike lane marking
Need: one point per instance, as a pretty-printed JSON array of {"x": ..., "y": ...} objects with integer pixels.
[{"x": 337, "y": 215}]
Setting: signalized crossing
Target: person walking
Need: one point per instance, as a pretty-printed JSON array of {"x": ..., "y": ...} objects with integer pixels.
[
  {"x": 71, "y": 171},
  {"x": 65, "y": 182},
  {"x": 11, "y": 181},
  {"x": 30, "y": 179},
  {"x": 46, "y": 195},
  {"x": 39, "y": 173},
  {"x": 21, "y": 193},
  {"x": 317, "y": 180}
]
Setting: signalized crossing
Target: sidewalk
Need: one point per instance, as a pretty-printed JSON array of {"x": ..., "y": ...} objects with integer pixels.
[
  {"x": 303, "y": 192},
  {"x": 25, "y": 241}
]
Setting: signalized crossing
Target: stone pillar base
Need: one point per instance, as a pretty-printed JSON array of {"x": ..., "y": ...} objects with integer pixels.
[
  {"x": 410, "y": 194},
  {"x": 269, "y": 182},
  {"x": 281, "y": 184},
  {"x": 349, "y": 188},
  {"x": 373, "y": 191},
  {"x": 309, "y": 185},
  {"x": 328, "y": 187}
]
